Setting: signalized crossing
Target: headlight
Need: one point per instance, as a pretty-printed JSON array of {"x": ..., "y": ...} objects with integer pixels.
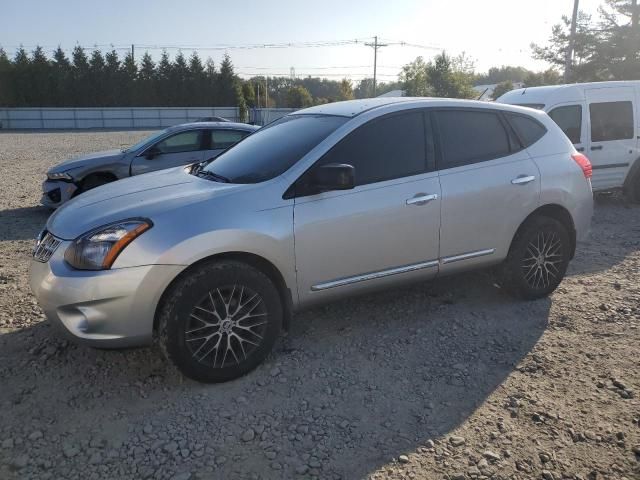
[
  {"x": 59, "y": 176},
  {"x": 98, "y": 249}
]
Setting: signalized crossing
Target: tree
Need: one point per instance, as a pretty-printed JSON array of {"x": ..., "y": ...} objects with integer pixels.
[
  {"x": 20, "y": 78},
  {"x": 502, "y": 74},
  {"x": 40, "y": 79},
  {"x": 548, "y": 77},
  {"x": 97, "y": 79},
  {"x": 226, "y": 84},
  {"x": 298, "y": 97},
  {"x": 415, "y": 79},
  {"x": 61, "y": 79},
  {"x": 346, "y": 90},
  {"x": 196, "y": 82},
  {"x": 449, "y": 79},
  {"x": 147, "y": 82},
  {"x": 249, "y": 93},
  {"x": 501, "y": 89},
  {"x": 129, "y": 74},
  {"x": 6, "y": 68},
  {"x": 80, "y": 79}
]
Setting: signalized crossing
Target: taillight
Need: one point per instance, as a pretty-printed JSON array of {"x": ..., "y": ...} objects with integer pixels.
[{"x": 584, "y": 163}]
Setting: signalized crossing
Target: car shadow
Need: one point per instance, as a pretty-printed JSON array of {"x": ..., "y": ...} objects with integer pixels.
[
  {"x": 354, "y": 384},
  {"x": 22, "y": 223}
]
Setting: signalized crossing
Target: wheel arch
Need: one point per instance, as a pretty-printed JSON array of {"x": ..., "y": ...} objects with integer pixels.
[
  {"x": 557, "y": 212},
  {"x": 251, "y": 259}
]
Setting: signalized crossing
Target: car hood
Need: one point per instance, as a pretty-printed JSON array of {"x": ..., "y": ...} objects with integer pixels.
[
  {"x": 106, "y": 156},
  {"x": 140, "y": 196}
]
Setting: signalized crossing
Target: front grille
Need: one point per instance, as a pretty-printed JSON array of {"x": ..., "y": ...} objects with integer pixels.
[{"x": 45, "y": 246}]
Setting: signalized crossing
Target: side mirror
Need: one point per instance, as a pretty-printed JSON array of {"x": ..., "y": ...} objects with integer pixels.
[
  {"x": 152, "y": 153},
  {"x": 334, "y": 176}
]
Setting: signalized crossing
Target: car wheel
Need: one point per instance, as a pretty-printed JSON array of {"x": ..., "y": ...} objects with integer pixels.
[
  {"x": 538, "y": 259},
  {"x": 93, "y": 181},
  {"x": 220, "y": 321}
]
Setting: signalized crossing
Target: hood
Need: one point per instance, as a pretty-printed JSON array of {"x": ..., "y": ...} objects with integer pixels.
[
  {"x": 106, "y": 156},
  {"x": 140, "y": 196}
]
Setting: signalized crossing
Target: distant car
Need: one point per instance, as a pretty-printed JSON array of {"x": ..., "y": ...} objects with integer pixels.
[
  {"x": 330, "y": 201},
  {"x": 172, "y": 147},
  {"x": 213, "y": 119},
  {"x": 601, "y": 119}
]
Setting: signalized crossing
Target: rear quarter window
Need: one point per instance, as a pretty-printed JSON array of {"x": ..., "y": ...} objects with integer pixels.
[{"x": 528, "y": 130}]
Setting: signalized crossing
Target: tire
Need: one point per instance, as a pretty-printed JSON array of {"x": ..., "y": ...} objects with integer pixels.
[
  {"x": 522, "y": 273},
  {"x": 93, "y": 181},
  {"x": 243, "y": 308},
  {"x": 633, "y": 190}
]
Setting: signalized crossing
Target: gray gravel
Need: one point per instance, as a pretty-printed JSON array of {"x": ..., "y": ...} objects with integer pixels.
[{"x": 447, "y": 380}]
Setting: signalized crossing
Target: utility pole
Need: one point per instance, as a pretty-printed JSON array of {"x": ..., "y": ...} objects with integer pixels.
[
  {"x": 569, "y": 58},
  {"x": 376, "y": 46},
  {"x": 133, "y": 52}
]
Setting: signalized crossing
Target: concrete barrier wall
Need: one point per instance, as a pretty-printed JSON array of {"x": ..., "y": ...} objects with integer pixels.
[{"x": 124, "y": 118}]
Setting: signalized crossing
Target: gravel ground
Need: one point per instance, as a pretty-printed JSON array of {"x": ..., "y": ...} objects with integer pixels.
[{"x": 453, "y": 380}]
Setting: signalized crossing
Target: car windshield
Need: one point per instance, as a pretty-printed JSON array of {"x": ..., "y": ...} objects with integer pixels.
[
  {"x": 146, "y": 141},
  {"x": 273, "y": 149}
]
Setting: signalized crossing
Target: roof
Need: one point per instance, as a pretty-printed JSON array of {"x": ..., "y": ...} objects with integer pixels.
[
  {"x": 547, "y": 94},
  {"x": 220, "y": 125},
  {"x": 351, "y": 108}
]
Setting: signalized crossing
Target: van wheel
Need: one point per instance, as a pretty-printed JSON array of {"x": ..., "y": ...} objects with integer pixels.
[
  {"x": 538, "y": 259},
  {"x": 220, "y": 321},
  {"x": 633, "y": 191}
]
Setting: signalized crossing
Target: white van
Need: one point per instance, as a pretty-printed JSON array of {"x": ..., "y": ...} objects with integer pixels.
[{"x": 601, "y": 119}]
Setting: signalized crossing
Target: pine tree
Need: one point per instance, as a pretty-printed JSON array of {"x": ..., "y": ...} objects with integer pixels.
[
  {"x": 40, "y": 79},
  {"x": 112, "y": 80},
  {"x": 129, "y": 72},
  {"x": 179, "y": 75},
  {"x": 20, "y": 78},
  {"x": 6, "y": 90},
  {"x": 61, "y": 79},
  {"x": 165, "y": 93},
  {"x": 196, "y": 82},
  {"x": 80, "y": 79},
  {"x": 97, "y": 79},
  {"x": 226, "y": 84},
  {"x": 147, "y": 82}
]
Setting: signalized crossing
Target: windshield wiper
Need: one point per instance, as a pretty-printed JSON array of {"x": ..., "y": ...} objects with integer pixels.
[{"x": 212, "y": 176}]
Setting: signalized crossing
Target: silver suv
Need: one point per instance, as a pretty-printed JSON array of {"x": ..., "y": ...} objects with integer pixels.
[{"x": 329, "y": 201}]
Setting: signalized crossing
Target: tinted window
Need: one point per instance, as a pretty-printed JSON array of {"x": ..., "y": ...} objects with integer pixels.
[
  {"x": 226, "y": 138},
  {"x": 273, "y": 149},
  {"x": 569, "y": 119},
  {"x": 383, "y": 149},
  {"x": 468, "y": 136},
  {"x": 181, "y": 142},
  {"x": 528, "y": 130},
  {"x": 611, "y": 121}
]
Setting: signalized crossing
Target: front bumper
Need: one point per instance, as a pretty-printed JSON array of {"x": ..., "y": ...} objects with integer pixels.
[
  {"x": 57, "y": 192},
  {"x": 109, "y": 308}
]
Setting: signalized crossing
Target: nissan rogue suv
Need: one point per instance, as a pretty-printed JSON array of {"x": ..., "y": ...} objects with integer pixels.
[{"x": 329, "y": 201}]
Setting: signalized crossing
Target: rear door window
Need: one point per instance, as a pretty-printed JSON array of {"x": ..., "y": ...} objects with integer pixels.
[
  {"x": 470, "y": 136},
  {"x": 529, "y": 130},
  {"x": 188, "y": 141},
  {"x": 226, "y": 138},
  {"x": 611, "y": 121},
  {"x": 569, "y": 119}
]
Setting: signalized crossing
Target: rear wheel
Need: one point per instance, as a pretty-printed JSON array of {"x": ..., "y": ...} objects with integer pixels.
[
  {"x": 220, "y": 321},
  {"x": 538, "y": 259},
  {"x": 633, "y": 190}
]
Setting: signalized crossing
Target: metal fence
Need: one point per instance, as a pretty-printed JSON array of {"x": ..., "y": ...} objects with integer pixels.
[{"x": 124, "y": 118}]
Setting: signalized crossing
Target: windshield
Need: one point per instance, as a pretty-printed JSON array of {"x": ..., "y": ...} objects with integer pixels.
[
  {"x": 146, "y": 141},
  {"x": 273, "y": 149}
]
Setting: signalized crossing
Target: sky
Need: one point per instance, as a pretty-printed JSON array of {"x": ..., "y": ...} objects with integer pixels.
[{"x": 491, "y": 32}]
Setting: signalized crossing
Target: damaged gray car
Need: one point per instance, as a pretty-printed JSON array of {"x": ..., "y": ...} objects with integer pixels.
[{"x": 175, "y": 146}]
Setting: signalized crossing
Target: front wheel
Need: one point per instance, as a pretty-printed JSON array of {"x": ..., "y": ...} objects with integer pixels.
[
  {"x": 220, "y": 321},
  {"x": 633, "y": 190},
  {"x": 538, "y": 259}
]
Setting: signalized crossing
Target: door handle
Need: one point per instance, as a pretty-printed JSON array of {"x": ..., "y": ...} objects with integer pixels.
[
  {"x": 580, "y": 149},
  {"x": 523, "y": 179},
  {"x": 422, "y": 199},
  {"x": 597, "y": 147}
]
